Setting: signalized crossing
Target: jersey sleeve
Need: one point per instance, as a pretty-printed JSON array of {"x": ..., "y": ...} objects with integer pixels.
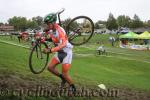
[{"x": 62, "y": 42}]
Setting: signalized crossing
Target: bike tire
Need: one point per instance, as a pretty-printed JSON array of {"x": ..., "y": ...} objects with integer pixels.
[
  {"x": 35, "y": 68},
  {"x": 76, "y": 35}
]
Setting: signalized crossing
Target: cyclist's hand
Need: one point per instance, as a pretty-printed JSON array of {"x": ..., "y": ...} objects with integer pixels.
[{"x": 47, "y": 50}]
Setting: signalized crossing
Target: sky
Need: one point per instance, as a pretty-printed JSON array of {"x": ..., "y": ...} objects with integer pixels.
[{"x": 95, "y": 9}]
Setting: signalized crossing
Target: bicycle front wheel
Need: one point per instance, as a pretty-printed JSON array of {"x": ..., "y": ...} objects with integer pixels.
[
  {"x": 38, "y": 60},
  {"x": 80, "y": 30}
]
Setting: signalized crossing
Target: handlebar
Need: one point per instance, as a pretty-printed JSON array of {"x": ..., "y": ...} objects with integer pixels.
[{"x": 59, "y": 12}]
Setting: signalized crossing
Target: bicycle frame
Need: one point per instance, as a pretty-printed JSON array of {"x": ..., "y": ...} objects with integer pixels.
[
  {"x": 58, "y": 14},
  {"x": 43, "y": 41}
]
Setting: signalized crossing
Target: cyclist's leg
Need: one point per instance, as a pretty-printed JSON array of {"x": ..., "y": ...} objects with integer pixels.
[
  {"x": 52, "y": 66},
  {"x": 65, "y": 69},
  {"x": 66, "y": 64}
]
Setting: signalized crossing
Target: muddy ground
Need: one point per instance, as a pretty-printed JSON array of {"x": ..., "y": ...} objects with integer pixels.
[{"x": 21, "y": 88}]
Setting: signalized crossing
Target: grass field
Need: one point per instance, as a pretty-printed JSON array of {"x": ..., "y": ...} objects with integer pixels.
[{"x": 121, "y": 68}]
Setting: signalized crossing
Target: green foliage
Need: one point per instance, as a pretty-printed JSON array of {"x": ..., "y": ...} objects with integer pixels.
[
  {"x": 1, "y": 23},
  {"x": 136, "y": 22},
  {"x": 100, "y": 24},
  {"x": 147, "y": 24},
  {"x": 111, "y": 22},
  {"x": 38, "y": 20},
  {"x": 123, "y": 21},
  {"x": 96, "y": 26},
  {"x": 66, "y": 22},
  {"x": 21, "y": 23},
  {"x": 32, "y": 24}
]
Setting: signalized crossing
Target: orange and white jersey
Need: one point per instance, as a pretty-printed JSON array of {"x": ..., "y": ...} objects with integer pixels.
[{"x": 60, "y": 39}]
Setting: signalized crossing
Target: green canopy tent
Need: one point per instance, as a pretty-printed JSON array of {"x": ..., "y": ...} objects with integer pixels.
[
  {"x": 129, "y": 35},
  {"x": 145, "y": 35},
  {"x": 127, "y": 40}
]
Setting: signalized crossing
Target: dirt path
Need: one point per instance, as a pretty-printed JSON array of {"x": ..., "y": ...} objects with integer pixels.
[{"x": 9, "y": 83}]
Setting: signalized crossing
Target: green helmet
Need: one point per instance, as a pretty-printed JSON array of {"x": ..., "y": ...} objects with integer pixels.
[{"x": 50, "y": 18}]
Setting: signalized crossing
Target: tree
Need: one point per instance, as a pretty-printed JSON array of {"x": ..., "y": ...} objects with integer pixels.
[
  {"x": 147, "y": 23},
  {"x": 32, "y": 24},
  {"x": 38, "y": 19},
  {"x": 1, "y": 23},
  {"x": 100, "y": 24},
  {"x": 123, "y": 21},
  {"x": 96, "y": 26},
  {"x": 66, "y": 22},
  {"x": 111, "y": 22},
  {"x": 136, "y": 22},
  {"x": 19, "y": 23}
]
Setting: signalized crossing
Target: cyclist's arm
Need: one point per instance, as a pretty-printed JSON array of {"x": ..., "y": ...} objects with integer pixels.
[{"x": 63, "y": 42}]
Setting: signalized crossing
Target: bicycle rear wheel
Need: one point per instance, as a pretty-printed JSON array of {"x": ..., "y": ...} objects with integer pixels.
[
  {"x": 38, "y": 60},
  {"x": 80, "y": 30}
]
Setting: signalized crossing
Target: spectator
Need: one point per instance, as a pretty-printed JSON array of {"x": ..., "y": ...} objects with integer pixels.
[{"x": 112, "y": 40}]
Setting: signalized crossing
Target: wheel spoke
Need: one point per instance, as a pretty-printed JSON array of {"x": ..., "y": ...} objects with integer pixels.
[
  {"x": 37, "y": 52},
  {"x": 80, "y": 30},
  {"x": 37, "y": 60}
]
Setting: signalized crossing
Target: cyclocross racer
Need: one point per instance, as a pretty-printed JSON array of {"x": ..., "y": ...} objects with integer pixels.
[{"x": 62, "y": 48}]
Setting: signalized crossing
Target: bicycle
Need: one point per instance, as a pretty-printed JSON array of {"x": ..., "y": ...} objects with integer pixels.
[{"x": 79, "y": 31}]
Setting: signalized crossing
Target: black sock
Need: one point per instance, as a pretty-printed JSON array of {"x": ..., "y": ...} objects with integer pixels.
[{"x": 61, "y": 76}]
